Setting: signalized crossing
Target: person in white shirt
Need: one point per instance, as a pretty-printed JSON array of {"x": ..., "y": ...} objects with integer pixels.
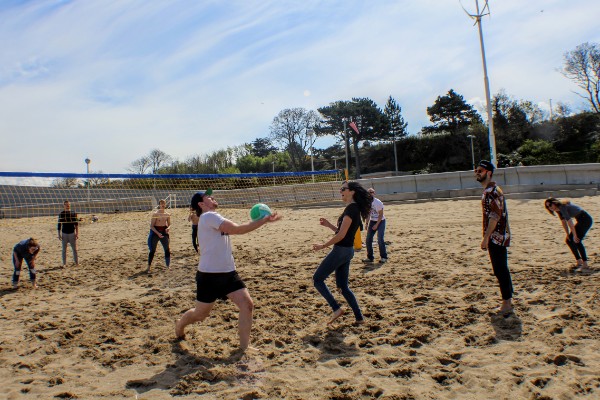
[
  {"x": 376, "y": 223},
  {"x": 217, "y": 277}
]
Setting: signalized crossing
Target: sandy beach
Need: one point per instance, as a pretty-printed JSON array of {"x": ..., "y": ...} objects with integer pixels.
[{"x": 106, "y": 329}]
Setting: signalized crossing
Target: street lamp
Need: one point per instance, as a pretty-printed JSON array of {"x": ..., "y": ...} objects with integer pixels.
[
  {"x": 273, "y": 162},
  {"x": 472, "y": 151},
  {"x": 346, "y": 144},
  {"x": 311, "y": 133},
  {"x": 394, "y": 144},
  {"x": 335, "y": 162},
  {"x": 87, "y": 163}
]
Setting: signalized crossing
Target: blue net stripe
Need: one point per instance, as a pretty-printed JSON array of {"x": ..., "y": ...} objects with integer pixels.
[{"x": 161, "y": 176}]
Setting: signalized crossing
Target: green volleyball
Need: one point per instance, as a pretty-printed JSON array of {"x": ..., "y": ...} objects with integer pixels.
[{"x": 259, "y": 211}]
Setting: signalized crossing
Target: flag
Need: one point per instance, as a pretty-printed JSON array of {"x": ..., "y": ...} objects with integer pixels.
[{"x": 354, "y": 127}]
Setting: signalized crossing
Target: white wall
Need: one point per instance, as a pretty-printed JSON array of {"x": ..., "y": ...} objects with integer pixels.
[{"x": 540, "y": 176}]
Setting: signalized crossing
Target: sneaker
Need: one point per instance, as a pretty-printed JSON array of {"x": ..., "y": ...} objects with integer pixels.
[
  {"x": 367, "y": 261},
  {"x": 383, "y": 261}
]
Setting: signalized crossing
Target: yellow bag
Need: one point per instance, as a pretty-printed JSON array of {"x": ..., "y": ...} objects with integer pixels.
[{"x": 357, "y": 240}]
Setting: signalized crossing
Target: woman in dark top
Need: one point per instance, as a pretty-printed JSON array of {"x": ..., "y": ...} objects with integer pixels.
[
  {"x": 576, "y": 231},
  {"x": 358, "y": 206},
  {"x": 26, "y": 250}
]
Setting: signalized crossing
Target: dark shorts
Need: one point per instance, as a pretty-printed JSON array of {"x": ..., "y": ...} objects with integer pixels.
[{"x": 213, "y": 286}]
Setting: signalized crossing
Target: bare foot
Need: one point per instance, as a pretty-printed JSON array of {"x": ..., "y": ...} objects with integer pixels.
[
  {"x": 35, "y": 286},
  {"x": 359, "y": 322},
  {"x": 248, "y": 350},
  {"x": 336, "y": 314},
  {"x": 179, "y": 334}
]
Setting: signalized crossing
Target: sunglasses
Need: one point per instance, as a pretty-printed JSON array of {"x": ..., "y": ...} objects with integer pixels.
[{"x": 344, "y": 188}]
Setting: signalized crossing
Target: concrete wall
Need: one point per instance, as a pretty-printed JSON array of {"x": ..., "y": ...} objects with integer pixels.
[{"x": 546, "y": 180}]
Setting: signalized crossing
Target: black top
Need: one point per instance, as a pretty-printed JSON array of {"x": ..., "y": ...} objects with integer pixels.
[
  {"x": 22, "y": 250},
  {"x": 67, "y": 221},
  {"x": 353, "y": 212}
]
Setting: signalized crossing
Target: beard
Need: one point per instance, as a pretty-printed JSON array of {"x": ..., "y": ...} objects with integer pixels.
[{"x": 481, "y": 178}]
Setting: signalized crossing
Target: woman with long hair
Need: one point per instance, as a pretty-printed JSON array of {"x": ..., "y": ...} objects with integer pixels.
[
  {"x": 576, "y": 231},
  {"x": 358, "y": 205}
]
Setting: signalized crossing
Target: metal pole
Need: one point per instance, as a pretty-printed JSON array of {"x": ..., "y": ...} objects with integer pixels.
[
  {"x": 87, "y": 163},
  {"x": 492, "y": 138},
  {"x": 394, "y": 144},
  {"x": 347, "y": 145},
  {"x": 472, "y": 151},
  {"x": 311, "y": 132}
]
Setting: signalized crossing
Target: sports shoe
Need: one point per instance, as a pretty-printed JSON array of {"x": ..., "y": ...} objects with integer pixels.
[
  {"x": 383, "y": 261},
  {"x": 367, "y": 261}
]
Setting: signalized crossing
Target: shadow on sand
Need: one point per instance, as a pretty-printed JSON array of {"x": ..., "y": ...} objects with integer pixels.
[
  {"x": 182, "y": 377},
  {"x": 507, "y": 326}
]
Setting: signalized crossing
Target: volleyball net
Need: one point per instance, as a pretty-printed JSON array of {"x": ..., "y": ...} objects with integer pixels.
[{"x": 31, "y": 194}]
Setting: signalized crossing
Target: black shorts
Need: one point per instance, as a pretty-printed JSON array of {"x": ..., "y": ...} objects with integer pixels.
[{"x": 213, "y": 286}]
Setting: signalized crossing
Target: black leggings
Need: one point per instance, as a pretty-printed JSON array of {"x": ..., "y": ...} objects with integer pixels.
[
  {"x": 583, "y": 225},
  {"x": 153, "y": 240},
  {"x": 195, "y": 237},
  {"x": 499, "y": 258}
]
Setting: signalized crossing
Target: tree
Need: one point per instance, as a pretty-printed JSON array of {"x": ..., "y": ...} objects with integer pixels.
[
  {"x": 577, "y": 132},
  {"x": 450, "y": 113},
  {"x": 393, "y": 112},
  {"x": 65, "y": 183},
  {"x": 262, "y": 147},
  {"x": 364, "y": 112},
  {"x": 538, "y": 152},
  {"x": 157, "y": 159},
  {"x": 290, "y": 130},
  {"x": 511, "y": 124},
  {"x": 98, "y": 181},
  {"x": 139, "y": 166},
  {"x": 582, "y": 66}
]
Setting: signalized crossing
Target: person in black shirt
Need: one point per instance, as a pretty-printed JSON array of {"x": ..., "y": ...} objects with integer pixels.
[
  {"x": 26, "y": 250},
  {"x": 358, "y": 202},
  {"x": 68, "y": 232}
]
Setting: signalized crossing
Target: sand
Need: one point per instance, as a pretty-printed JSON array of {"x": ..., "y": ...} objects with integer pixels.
[{"x": 105, "y": 329}]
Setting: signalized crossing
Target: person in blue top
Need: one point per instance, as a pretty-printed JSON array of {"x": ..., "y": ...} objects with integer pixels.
[
  {"x": 576, "y": 231},
  {"x": 26, "y": 250},
  {"x": 358, "y": 205}
]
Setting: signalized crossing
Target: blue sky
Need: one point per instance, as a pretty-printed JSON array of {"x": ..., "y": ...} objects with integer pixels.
[{"x": 111, "y": 80}]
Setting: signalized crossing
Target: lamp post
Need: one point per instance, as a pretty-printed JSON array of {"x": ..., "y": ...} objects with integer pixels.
[
  {"x": 311, "y": 133},
  {"x": 346, "y": 143},
  {"x": 273, "y": 162},
  {"x": 394, "y": 144},
  {"x": 335, "y": 162},
  {"x": 472, "y": 151},
  {"x": 87, "y": 163}
]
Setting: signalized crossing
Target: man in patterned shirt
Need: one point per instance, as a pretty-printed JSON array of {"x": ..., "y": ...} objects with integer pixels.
[{"x": 496, "y": 232}]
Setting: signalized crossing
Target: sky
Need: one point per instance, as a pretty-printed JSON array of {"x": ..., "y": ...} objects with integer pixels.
[{"x": 111, "y": 80}]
